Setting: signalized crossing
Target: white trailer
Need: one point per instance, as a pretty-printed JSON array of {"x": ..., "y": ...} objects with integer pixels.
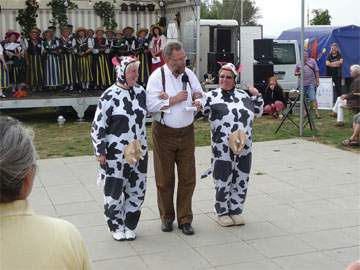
[{"x": 225, "y": 41}]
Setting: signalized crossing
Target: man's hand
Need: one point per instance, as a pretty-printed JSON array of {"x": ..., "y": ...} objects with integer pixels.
[
  {"x": 197, "y": 104},
  {"x": 197, "y": 95},
  {"x": 101, "y": 159},
  {"x": 163, "y": 95},
  {"x": 181, "y": 96}
]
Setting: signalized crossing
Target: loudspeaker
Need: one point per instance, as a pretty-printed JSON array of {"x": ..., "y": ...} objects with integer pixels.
[
  {"x": 262, "y": 72},
  {"x": 213, "y": 59},
  {"x": 223, "y": 40},
  {"x": 263, "y": 50}
]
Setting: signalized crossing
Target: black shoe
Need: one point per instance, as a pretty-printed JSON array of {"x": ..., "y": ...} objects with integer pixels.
[
  {"x": 186, "y": 228},
  {"x": 167, "y": 226}
]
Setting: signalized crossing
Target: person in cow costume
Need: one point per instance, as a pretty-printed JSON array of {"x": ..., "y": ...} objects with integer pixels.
[
  {"x": 119, "y": 139},
  {"x": 231, "y": 113}
]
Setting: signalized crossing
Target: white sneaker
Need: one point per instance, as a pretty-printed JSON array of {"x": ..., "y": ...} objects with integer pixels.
[
  {"x": 2, "y": 95},
  {"x": 225, "y": 221},
  {"x": 238, "y": 219},
  {"x": 130, "y": 235},
  {"x": 119, "y": 236}
]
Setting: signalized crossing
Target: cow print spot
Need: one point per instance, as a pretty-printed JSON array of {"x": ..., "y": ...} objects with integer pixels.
[
  {"x": 119, "y": 125},
  {"x": 112, "y": 151},
  {"x": 128, "y": 107},
  {"x": 113, "y": 187},
  {"x": 244, "y": 164},
  {"x": 222, "y": 170},
  {"x": 218, "y": 111},
  {"x": 244, "y": 117},
  {"x": 131, "y": 219},
  {"x": 217, "y": 135}
]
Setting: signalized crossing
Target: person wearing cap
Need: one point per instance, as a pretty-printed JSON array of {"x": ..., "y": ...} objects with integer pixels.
[
  {"x": 173, "y": 136},
  {"x": 128, "y": 44},
  {"x": 30, "y": 240},
  {"x": 13, "y": 58},
  {"x": 51, "y": 55},
  {"x": 4, "y": 73},
  {"x": 157, "y": 44},
  {"x": 119, "y": 138},
  {"x": 68, "y": 63},
  {"x": 34, "y": 66},
  {"x": 83, "y": 47},
  {"x": 101, "y": 51},
  {"x": 142, "y": 49},
  {"x": 231, "y": 112}
]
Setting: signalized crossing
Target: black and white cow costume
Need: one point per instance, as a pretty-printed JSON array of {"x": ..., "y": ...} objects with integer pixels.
[
  {"x": 229, "y": 111},
  {"x": 120, "y": 119}
]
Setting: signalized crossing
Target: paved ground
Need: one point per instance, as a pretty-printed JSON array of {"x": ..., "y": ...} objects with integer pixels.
[{"x": 302, "y": 212}]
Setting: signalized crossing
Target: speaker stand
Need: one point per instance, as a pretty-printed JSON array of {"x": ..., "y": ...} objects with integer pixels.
[{"x": 308, "y": 116}]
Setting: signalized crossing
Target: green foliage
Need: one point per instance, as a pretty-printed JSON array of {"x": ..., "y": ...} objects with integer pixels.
[
  {"x": 27, "y": 17},
  {"x": 321, "y": 17},
  {"x": 231, "y": 9},
  {"x": 58, "y": 10},
  {"x": 73, "y": 138},
  {"x": 105, "y": 10}
]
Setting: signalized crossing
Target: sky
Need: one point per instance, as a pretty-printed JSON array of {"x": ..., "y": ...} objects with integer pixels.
[{"x": 279, "y": 15}]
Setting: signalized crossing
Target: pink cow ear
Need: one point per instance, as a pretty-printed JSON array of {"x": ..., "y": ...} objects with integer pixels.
[{"x": 115, "y": 60}]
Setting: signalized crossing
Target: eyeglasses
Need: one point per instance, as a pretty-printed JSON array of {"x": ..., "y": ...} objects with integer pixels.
[{"x": 226, "y": 77}]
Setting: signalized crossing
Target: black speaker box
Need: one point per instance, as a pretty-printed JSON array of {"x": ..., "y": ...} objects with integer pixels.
[
  {"x": 262, "y": 72},
  {"x": 213, "y": 59},
  {"x": 263, "y": 50}
]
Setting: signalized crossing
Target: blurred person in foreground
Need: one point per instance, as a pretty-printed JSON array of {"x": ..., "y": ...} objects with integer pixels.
[{"x": 30, "y": 241}]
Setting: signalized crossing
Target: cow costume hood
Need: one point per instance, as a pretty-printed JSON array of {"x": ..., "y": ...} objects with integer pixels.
[{"x": 121, "y": 64}]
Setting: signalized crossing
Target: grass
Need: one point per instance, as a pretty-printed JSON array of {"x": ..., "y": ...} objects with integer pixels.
[{"x": 73, "y": 139}]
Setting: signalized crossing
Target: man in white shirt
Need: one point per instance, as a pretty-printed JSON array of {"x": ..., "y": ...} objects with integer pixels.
[{"x": 173, "y": 135}]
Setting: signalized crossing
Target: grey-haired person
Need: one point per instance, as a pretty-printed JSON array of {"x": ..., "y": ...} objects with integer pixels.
[{"x": 28, "y": 240}]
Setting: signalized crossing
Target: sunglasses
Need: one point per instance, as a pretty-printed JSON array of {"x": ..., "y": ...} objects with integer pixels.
[{"x": 226, "y": 77}]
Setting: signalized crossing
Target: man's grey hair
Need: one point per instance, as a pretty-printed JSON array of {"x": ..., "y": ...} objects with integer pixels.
[
  {"x": 17, "y": 157},
  {"x": 355, "y": 69},
  {"x": 170, "y": 46}
]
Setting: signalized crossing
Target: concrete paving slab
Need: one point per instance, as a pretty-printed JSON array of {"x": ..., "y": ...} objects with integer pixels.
[{"x": 301, "y": 212}]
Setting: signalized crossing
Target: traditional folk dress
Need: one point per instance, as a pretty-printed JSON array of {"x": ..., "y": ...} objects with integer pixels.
[
  {"x": 68, "y": 62},
  {"x": 51, "y": 56},
  {"x": 101, "y": 64},
  {"x": 4, "y": 75},
  {"x": 142, "y": 47},
  {"x": 34, "y": 69},
  {"x": 84, "y": 61},
  {"x": 157, "y": 44},
  {"x": 15, "y": 63}
]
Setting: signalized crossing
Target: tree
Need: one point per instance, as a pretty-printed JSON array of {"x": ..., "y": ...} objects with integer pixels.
[
  {"x": 106, "y": 11},
  {"x": 27, "y": 17},
  {"x": 231, "y": 9},
  {"x": 58, "y": 10},
  {"x": 321, "y": 17}
]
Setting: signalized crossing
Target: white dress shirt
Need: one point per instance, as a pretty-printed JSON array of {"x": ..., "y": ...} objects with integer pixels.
[{"x": 175, "y": 116}]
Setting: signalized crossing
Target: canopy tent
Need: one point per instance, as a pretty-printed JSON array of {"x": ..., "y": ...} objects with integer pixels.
[{"x": 318, "y": 40}]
